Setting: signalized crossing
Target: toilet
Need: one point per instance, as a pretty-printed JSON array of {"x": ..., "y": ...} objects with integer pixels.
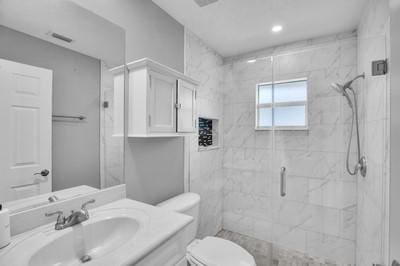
[{"x": 210, "y": 251}]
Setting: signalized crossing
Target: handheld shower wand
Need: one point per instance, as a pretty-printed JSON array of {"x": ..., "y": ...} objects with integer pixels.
[{"x": 361, "y": 165}]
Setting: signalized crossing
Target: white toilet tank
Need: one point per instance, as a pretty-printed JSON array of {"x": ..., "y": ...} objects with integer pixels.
[{"x": 186, "y": 203}]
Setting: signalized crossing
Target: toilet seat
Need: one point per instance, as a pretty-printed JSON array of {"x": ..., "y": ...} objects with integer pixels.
[{"x": 215, "y": 251}]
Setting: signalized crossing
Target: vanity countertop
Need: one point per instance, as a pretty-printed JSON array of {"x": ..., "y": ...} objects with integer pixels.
[
  {"x": 43, "y": 199},
  {"x": 156, "y": 227}
]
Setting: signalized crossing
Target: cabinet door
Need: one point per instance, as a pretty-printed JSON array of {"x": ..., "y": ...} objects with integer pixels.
[
  {"x": 186, "y": 107},
  {"x": 162, "y": 99}
]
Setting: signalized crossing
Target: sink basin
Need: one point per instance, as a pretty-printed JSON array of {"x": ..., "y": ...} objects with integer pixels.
[
  {"x": 86, "y": 242},
  {"x": 120, "y": 233}
]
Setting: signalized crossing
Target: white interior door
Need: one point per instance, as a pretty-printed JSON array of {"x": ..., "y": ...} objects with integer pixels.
[
  {"x": 162, "y": 93},
  {"x": 186, "y": 107},
  {"x": 25, "y": 135}
]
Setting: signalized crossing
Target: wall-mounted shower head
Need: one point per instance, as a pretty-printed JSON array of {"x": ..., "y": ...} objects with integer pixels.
[
  {"x": 347, "y": 85},
  {"x": 337, "y": 87},
  {"x": 342, "y": 90}
]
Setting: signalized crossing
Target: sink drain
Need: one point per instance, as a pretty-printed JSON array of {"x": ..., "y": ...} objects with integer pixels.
[{"x": 86, "y": 258}]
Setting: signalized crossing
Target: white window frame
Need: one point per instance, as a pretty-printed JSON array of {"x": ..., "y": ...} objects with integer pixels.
[{"x": 272, "y": 105}]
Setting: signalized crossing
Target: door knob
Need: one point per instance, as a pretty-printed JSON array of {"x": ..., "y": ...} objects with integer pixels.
[{"x": 44, "y": 172}]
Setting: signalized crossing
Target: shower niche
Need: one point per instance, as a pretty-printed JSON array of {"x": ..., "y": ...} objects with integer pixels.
[{"x": 208, "y": 133}]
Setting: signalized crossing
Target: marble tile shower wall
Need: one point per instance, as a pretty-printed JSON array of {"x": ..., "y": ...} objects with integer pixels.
[
  {"x": 206, "y": 176},
  {"x": 318, "y": 215},
  {"x": 373, "y": 34},
  {"x": 111, "y": 147}
]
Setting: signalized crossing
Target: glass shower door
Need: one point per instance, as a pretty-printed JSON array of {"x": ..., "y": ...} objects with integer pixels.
[
  {"x": 248, "y": 149},
  {"x": 263, "y": 214},
  {"x": 291, "y": 158},
  {"x": 315, "y": 215}
]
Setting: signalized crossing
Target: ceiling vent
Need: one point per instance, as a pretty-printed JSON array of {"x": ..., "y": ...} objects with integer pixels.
[
  {"x": 202, "y": 3},
  {"x": 61, "y": 37}
]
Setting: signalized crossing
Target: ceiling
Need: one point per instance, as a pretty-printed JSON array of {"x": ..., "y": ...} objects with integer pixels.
[
  {"x": 234, "y": 27},
  {"x": 91, "y": 34}
]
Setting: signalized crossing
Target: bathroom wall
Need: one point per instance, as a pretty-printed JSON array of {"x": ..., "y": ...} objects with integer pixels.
[
  {"x": 206, "y": 177},
  {"x": 76, "y": 91},
  {"x": 154, "y": 168},
  {"x": 372, "y": 216},
  {"x": 150, "y": 32},
  {"x": 318, "y": 215}
]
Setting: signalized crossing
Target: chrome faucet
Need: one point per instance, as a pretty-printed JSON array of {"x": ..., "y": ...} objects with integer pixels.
[
  {"x": 76, "y": 217},
  {"x": 60, "y": 219}
]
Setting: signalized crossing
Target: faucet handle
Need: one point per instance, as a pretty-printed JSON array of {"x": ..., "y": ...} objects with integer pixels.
[
  {"x": 84, "y": 210},
  {"x": 60, "y": 217},
  {"x": 86, "y": 203}
]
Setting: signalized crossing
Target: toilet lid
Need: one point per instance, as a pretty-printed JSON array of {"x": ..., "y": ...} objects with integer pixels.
[{"x": 214, "y": 251}]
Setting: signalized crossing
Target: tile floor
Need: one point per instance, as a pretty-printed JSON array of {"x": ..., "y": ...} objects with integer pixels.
[{"x": 267, "y": 254}]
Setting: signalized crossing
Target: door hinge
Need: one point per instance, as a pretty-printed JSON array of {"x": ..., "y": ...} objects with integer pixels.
[
  {"x": 379, "y": 67},
  {"x": 149, "y": 120},
  {"x": 178, "y": 106}
]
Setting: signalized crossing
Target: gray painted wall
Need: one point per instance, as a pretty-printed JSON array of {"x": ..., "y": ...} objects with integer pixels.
[
  {"x": 150, "y": 31},
  {"x": 153, "y": 167},
  {"x": 154, "y": 174},
  {"x": 76, "y": 91}
]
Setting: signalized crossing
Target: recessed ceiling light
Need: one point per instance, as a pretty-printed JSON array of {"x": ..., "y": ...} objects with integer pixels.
[
  {"x": 277, "y": 28},
  {"x": 251, "y": 61}
]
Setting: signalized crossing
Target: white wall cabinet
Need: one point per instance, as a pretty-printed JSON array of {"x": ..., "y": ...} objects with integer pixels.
[
  {"x": 162, "y": 101},
  {"x": 186, "y": 107}
]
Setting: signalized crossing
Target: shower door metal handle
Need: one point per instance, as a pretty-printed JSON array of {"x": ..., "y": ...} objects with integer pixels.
[{"x": 283, "y": 181}]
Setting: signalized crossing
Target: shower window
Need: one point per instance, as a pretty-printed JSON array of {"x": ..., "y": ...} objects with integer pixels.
[{"x": 282, "y": 105}]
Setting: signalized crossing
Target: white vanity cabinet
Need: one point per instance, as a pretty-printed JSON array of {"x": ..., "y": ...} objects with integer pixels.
[
  {"x": 170, "y": 253},
  {"x": 162, "y": 101}
]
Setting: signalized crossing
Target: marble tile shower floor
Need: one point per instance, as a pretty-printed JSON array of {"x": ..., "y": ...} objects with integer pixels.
[{"x": 267, "y": 254}]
